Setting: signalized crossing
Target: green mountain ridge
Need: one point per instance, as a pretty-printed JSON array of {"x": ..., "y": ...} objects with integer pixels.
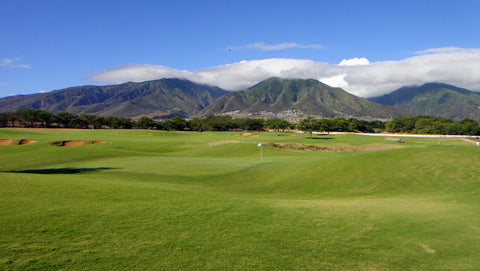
[
  {"x": 177, "y": 97},
  {"x": 164, "y": 97},
  {"x": 435, "y": 99},
  {"x": 308, "y": 96}
]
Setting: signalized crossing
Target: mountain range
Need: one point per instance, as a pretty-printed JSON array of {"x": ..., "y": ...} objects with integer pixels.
[
  {"x": 165, "y": 98},
  {"x": 308, "y": 96},
  {"x": 435, "y": 99}
]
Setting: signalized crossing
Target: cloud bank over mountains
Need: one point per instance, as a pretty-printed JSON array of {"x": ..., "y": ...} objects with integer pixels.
[{"x": 451, "y": 65}]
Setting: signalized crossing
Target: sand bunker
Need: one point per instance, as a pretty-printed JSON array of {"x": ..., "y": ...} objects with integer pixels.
[
  {"x": 99, "y": 142},
  {"x": 246, "y": 134},
  {"x": 253, "y": 136},
  {"x": 26, "y": 141},
  {"x": 5, "y": 142},
  {"x": 287, "y": 135},
  {"x": 302, "y": 147},
  {"x": 71, "y": 143},
  {"x": 216, "y": 143}
]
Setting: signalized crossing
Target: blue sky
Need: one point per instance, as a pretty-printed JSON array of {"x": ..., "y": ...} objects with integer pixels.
[{"x": 48, "y": 45}]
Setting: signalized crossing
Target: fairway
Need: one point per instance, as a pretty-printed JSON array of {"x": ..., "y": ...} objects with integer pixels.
[{"x": 159, "y": 200}]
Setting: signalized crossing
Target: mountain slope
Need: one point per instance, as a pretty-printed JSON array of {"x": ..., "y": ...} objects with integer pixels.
[
  {"x": 306, "y": 96},
  {"x": 435, "y": 99},
  {"x": 162, "y": 97}
]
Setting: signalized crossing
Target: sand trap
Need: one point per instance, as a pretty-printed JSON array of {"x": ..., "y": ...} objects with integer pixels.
[
  {"x": 253, "y": 136},
  {"x": 5, "y": 142},
  {"x": 26, "y": 141},
  {"x": 287, "y": 135},
  {"x": 216, "y": 143},
  {"x": 246, "y": 134},
  {"x": 304, "y": 147},
  {"x": 72, "y": 143}
]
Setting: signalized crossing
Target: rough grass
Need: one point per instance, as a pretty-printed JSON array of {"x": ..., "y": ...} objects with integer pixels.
[{"x": 154, "y": 200}]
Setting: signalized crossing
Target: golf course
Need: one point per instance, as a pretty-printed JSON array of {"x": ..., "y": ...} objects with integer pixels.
[{"x": 111, "y": 199}]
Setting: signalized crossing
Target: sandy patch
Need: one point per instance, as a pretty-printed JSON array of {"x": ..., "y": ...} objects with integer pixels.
[
  {"x": 26, "y": 141},
  {"x": 99, "y": 142},
  {"x": 216, "y": 143},
  {"x": 305, "y": 147},
  {"x": 427, "y": 249},
  {"x": 5, "y": 142},
  {"x": 246, "y": 134},
  {"x": 72, "y": 143},
  {"x": 254, "y": 136},
  {"x": 287, "y": 135}
]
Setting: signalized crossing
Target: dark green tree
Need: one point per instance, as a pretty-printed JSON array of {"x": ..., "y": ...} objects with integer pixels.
[
  {"x": 91, "y": 120},
  {"x": 67, "y": 119},
  {"x": 277, "y": 124},
  {"x": 249, "y": 124},
  {"x": 219, "y": 123},
  {"x": 175, "y": 124},
  {"x": 196, "y": 124},
  {"x": 309, "y": 125},
  {"x": 28, "y": 116},
  {"x": 4, "y": 119},
  {"x": 145, "y": 123}
]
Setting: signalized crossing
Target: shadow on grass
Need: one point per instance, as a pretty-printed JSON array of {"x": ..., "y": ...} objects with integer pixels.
[
  {"x": 66, "y": 170},
  {"x": 316, "y": 137}
]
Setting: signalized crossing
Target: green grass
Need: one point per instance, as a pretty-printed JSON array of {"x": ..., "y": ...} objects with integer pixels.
[{"x": 155, "y": 200}]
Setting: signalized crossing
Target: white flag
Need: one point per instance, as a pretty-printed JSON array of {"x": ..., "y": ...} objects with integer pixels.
[{"x": 259, "y": 145}]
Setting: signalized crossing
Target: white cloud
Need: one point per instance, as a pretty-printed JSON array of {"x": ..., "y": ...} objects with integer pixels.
[
  {"x": 10, "y": 63},
  {"x": 138, "y": 73},
  {"x": 460, "y": 67},
  {"x": 354, "y": 61},
  {"x": 287, "y": 45},
  {"x": 444, "y": 50}
]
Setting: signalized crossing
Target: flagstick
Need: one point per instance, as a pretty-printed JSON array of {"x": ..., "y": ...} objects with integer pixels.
[
  {"x": 261, "y": 153},
  {"x": 260, "y": 145}
]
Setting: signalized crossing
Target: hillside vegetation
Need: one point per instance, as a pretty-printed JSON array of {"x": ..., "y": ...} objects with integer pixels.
[
  {"x": 309, "y": 97},
  {"x": 435, "y": 99},
  {"x": 164, "y": 97},
  {"x": 159, "y": 200}
]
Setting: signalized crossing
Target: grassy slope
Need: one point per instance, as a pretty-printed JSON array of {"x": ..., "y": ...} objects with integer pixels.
[{"x": 173, "y": 200}]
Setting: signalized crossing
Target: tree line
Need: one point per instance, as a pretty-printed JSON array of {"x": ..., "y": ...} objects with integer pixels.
[
  {"x": 340, "y": 124},
  {"x": 432, "y": 125},
  {"x": 410, "y": 125},
  {"x": 35, "y": 118}
]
